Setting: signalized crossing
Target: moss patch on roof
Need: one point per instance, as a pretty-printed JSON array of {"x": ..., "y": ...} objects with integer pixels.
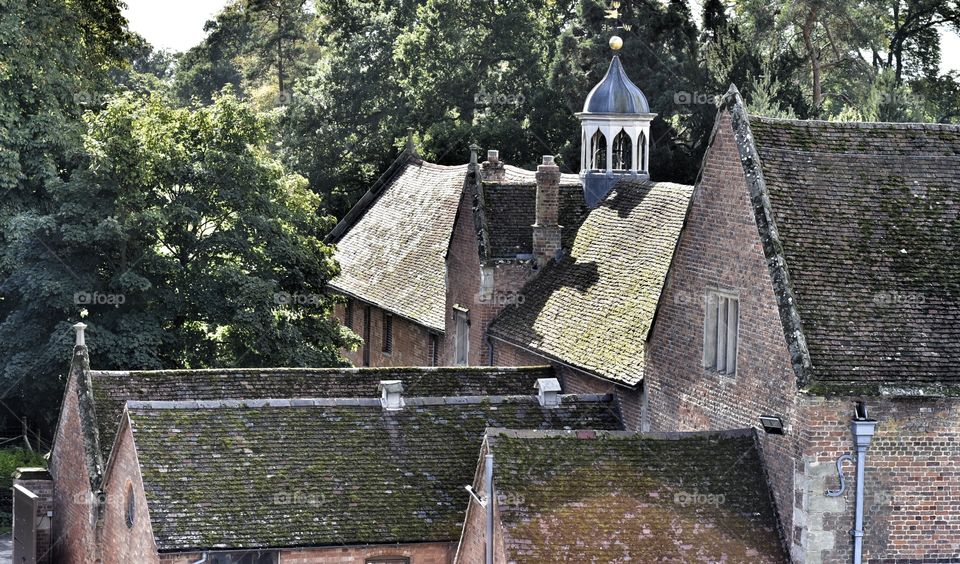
[
  {"x": 393, "y": 255},
  {"x": 869, "y": 219},
  {"x": 510, "y": 212},
  {"x": 619, "y": 497},
  {"x": 111, "y": 390},
  {"x": 241, "y": 477},
  {"x": 593, "y": 309}
]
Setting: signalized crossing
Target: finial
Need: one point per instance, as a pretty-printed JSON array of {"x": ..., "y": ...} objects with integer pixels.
[
  {"x": 410, "y": 139},
  {"x": 78, "y": 328},
  {"x": 474, "y": 148},
  {"x": 616, "y": 43}
]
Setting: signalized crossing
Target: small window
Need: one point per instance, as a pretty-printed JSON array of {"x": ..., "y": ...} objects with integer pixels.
[
  {"x": 388, "y": 560},
  {"x": 721, "y": 324},
  {"x": 130, "y": 506},
  {"x": 348, "y": 313},
  {"x": 387, "y": 333},
  {"x": 462, "y": 343},
  {"x": 434, "y": 353}
]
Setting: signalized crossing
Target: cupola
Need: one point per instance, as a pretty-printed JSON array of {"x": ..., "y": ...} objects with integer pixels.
[{"x": 615, "y": 132}]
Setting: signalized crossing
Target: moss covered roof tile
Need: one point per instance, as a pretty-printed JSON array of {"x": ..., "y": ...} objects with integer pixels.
[
  {"x": 232, "y": 477},
  {"x": 624, "y": 497},
  {"x": 593, "y": 308}
]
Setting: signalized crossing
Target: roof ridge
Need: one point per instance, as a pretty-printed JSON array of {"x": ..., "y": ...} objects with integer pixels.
[
  {"x": 357, "y": 402},
  {"x": 330, "y": 370},
  {"x": 858, "y": 124},
  {"x": 494, "y": 432}
]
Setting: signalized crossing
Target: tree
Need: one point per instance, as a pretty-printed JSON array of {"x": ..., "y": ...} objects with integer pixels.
[{"x": 182, "y": 243}]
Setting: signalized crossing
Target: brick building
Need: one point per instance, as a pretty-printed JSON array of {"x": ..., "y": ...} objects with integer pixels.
[
  {"x": 283, "y": 465},
  {"x": 817, "y": 270}
]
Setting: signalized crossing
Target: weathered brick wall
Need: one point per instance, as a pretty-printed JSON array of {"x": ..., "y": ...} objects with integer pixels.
[
  {"x": 912, "y": 494},
  {"x": 629, "y": 400},
  {"x": 120, "y": 543},
  {"x": 43, "y": 489},
  {"x": 720, "y": 248},
  {"x": 421, "y": 553},
  {"x": 411, "y": 342},
  {"x": 73, "y": 507},
  {"x": 463, "y": 283}
]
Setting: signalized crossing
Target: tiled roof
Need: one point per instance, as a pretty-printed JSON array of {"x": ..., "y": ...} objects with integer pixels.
[
  {"x": 510, "y": 212},
  {"x": 112, "y": 389},
  {"x": 593, "y": 308},
  {"x": 218, "y": 475},
  {"x": 391, "y": 252},
  {"x": 868, "y": 221},
  {"x": 621, "y": 497}
]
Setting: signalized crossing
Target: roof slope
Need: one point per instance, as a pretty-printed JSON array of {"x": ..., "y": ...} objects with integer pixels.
[
  {"x": 593, "y": 308},
  {"x": 868, "y": 216},
  {"x": 112, "y": 389},
  {"x": 618, "y": 497},
  {"x": 510, "y": 210},
  {"x": 222, "y": 475},
  {"x": 393, "y": 253}
]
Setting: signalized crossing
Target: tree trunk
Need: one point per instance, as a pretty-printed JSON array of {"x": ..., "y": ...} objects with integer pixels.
[{"x": 814, "y": 54}]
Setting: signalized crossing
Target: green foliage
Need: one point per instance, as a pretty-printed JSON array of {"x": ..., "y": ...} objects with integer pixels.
[{"x": 181, "y": 243}]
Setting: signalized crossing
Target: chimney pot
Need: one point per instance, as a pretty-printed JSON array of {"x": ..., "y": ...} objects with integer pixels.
[
  {"x": 493, "y": 156},
  {"x": 548, "y": 159}
]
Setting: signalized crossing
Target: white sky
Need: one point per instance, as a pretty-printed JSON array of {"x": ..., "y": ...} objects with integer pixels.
[{"x": 177, "y": 25}]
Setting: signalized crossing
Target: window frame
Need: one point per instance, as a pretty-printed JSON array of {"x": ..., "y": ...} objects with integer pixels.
[
  {"x": 386, "y": 333},
  {"x": 721, "y": 331},
  {"x": 461, "y": 344},
  {"x": 348, "y": 314}
]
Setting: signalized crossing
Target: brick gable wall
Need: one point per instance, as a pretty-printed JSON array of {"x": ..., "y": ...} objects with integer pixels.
[
  {"x": 464, "y": 284},
  {"x": 720, "y": 249},
  {"x": 73, "y": 503},
  {"x": 121, "y": 543}
]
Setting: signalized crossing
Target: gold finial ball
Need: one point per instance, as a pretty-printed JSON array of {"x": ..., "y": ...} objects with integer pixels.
[{"x": 616, "y": 43}]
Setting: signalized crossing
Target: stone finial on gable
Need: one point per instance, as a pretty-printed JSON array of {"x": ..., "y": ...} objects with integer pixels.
[
  {"x": 548, "y": 392},
  {"x": 391, "y": 395},
  {"x": 79, "y": 329}
]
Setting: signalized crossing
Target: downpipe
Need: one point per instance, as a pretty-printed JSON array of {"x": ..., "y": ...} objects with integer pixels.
[
  {"x": 488, "y": 484},
  {"x": 863, "y": 428}
]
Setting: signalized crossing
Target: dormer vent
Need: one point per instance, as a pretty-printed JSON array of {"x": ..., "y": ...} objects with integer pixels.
[
  {"x": 548, "y": 392},
  {"x": 391, "y": 395}
]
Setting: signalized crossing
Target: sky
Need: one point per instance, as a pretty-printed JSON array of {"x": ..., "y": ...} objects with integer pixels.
[{"x": 177, "y": 25}]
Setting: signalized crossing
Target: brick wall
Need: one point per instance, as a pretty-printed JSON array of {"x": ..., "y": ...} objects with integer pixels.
[
  {"x": 120, "y": 542},
  {"x": 720, "y": 248},
  {"x": 912, "y": 494},
  {"x": 73, "y": 507},
  {"x": 419, "y": 553},
  {"x": 464, "y": 283},
  {"x": 39, "y": 483},
  {"x": 629, "y": 400},
  {"x": 473, "y": 542},
  {"x": 411, "y": 342}
]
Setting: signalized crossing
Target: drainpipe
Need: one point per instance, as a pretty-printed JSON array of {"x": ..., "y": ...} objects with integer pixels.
[
  {"x": 491, "y": 500},
  {"x": 202, "y": 560},
  {"x": 863, "y": 428}
]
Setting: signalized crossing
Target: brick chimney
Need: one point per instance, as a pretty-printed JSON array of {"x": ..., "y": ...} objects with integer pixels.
[
  {"x": 491, "y": 170},
  {"x": 546, "y": 232}
]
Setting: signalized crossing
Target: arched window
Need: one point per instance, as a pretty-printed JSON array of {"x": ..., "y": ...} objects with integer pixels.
[
  {"x": 622, "y": 151},
  {"x": 130, "y": 511},
  {"x": 598, "y": 151},
  {"x": 642, "y": 141}
]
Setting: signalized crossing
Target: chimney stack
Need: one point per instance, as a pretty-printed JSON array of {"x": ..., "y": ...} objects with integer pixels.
[
  {"x": 491, "y": 170},
  {"x": 546, "y": 232},
  {"x": 391, "y": 395},
  {"x": 548, "y": 392}
]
